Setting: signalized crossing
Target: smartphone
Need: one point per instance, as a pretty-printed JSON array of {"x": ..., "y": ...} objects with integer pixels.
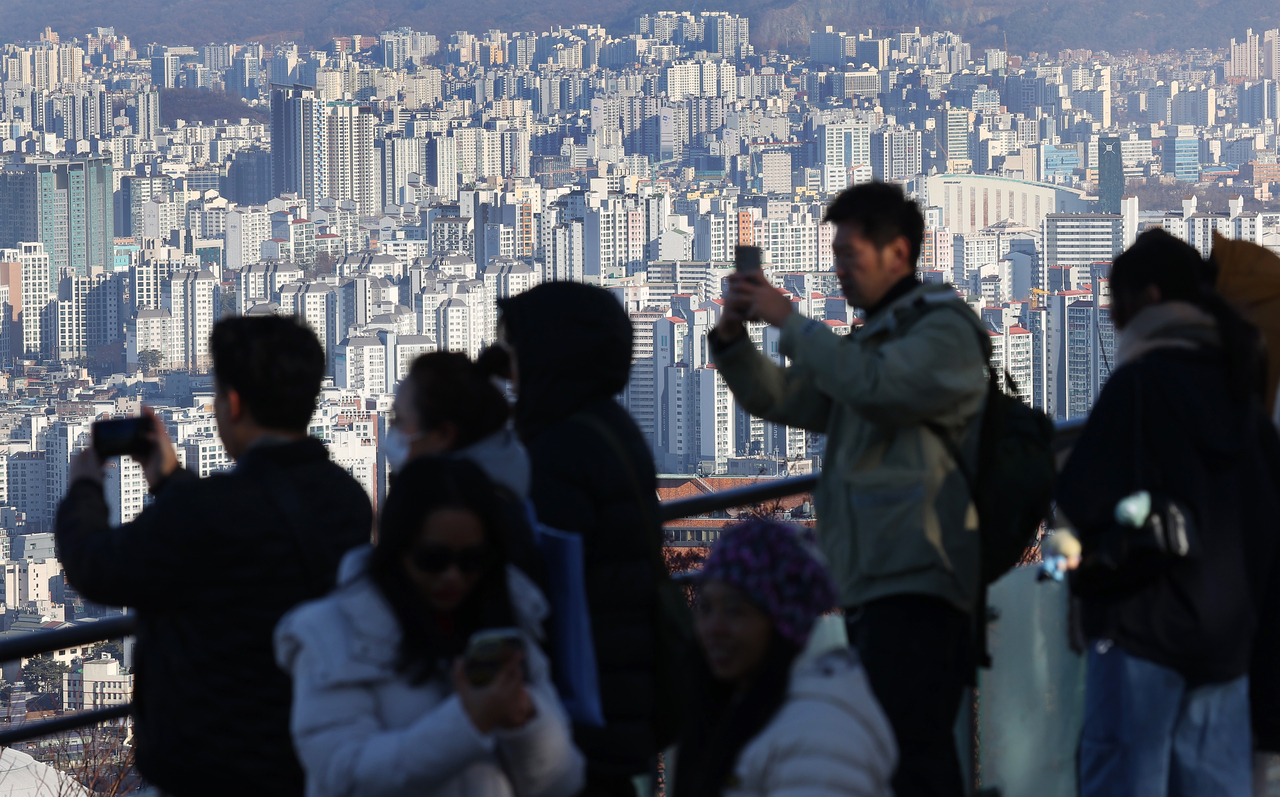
[
  {"x": 130, "y": 436},
  {"x": 488, "y": 652},
  {"x": 748, "y": 259}
]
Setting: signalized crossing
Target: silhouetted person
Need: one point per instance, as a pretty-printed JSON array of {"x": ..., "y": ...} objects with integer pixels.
[
  {"x": 593, "y": 474},
  {"x": 214, "y": 563},
  {"x": 448, "y": 406},
  {"x": 1172, "y": 490},
  {"x": 895, "y": 516}
]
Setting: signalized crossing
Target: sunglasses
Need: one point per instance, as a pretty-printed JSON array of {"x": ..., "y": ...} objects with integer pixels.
[{"x": 436, "y": 559}]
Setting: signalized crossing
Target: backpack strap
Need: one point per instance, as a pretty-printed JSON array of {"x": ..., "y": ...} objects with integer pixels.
[{"x": 939, "y": 301}]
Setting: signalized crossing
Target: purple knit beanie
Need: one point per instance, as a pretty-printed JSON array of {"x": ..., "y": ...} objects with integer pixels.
[{"x": 768, "y": 562}]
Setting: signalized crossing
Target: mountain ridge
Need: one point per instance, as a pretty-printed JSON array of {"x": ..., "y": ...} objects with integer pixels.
[{"x": 1029, "y": 25}]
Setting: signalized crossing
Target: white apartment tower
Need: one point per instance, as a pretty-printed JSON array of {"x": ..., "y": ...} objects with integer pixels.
[{"x": 352, "y": 171}]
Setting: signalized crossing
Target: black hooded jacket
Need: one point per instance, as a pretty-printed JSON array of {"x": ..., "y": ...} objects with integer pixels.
[
  {"x": 572, "y": 347},
  {"x": 1167, "y": 423}
]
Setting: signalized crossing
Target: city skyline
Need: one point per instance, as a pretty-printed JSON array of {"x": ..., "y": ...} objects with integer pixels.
[{"x": 402, "y": 183}]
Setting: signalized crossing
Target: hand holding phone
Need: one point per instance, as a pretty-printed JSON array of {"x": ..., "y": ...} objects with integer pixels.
[
  {"x": 144, "y": 438},
  {"x": 490, "y": 650},
  {"x": 490, "y": 681}
]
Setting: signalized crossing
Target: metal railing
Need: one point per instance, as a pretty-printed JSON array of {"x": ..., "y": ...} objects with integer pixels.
[{"x": 40, "y": 642}]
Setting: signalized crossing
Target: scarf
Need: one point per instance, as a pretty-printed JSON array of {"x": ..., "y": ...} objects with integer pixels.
[{"x": 1168, "y": 325}]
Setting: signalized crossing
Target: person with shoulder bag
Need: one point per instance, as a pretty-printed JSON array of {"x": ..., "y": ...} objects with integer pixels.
[
  {"x": 1172, "y": 494},
  {"x": 570, "y": 348}
]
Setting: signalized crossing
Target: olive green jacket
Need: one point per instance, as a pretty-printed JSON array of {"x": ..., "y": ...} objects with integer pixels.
[{"x": 894, "y": 512}]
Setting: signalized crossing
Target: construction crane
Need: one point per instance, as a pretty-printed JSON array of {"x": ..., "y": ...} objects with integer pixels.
[{"x": 1036, "y": 293}]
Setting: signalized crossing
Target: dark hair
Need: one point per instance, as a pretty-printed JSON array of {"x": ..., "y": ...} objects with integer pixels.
[
  {"x": 449, "y": 388},
  {"x": 426, "y": 485},
  {"x": 718, "y": 726},
  {"x": 275, "y": 363},
  {"x": 1176, "y": 269},
  {"x": 882, "y": 213}
]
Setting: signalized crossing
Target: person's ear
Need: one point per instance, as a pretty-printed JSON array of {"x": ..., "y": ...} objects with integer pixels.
[
  {"x": 1152, "y": 294},
  {"x": 235, "y": 408},
  {"x": 900, "y": 250}
]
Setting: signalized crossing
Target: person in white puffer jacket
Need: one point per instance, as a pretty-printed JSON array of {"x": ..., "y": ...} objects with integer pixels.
[
  {"x": 381, "y": 702},
  {"x": 781, "y": 706}
]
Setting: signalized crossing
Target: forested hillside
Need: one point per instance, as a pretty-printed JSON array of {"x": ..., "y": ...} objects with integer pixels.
[{"x": 1030, "y": 25}]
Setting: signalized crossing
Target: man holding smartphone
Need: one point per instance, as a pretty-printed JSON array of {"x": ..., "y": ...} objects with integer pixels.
[
  {"x": 213, "y": 564},
  {"x": 895, "y": 519}
]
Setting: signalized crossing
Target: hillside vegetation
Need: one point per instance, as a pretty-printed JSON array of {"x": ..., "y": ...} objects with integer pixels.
[
  {"x": 205, "y": 106},
  {"x": 1030, "y": 25}
]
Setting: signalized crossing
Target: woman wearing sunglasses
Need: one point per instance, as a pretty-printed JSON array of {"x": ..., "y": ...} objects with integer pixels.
[{"x": 383, "y": 702}]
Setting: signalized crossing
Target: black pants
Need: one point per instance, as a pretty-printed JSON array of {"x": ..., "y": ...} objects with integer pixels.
[
  {"x": 607, "y": 786},
  {"x": 918, "y": 655}
]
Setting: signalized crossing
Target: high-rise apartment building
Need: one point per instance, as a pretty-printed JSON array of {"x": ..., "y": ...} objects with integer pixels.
[
  {"x": 32, "y": 312},
  {"x": 826, "y": 46},
  {"x": 1243, "y": 57},
  {"x": 64, "y": 203},
  {"x": 775, "y": 172},
  {"x": 190, "y": 297},
  {"x": 1079, "y": 240},
  {"x": 724, "y": 34},
  {"x": 896, "y": 154},
  {"x": 1110, "y": 174},
  {"x": 299, "y": 144},
  {"x": 137, "y": 190},
  {"x": 1270, "y": 52},
  {"x": 164, "y": 71},
  {"x": 1257, "y": 102},
  {"x": 352, "y": 172},
  {"x": 843, "y": 145}
]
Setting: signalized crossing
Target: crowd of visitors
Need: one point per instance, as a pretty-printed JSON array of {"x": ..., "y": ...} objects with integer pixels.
[{"x": 281, "y": 651}]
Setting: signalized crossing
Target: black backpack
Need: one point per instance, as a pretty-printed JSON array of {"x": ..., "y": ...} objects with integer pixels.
[{"x": 1013, "y": 485}]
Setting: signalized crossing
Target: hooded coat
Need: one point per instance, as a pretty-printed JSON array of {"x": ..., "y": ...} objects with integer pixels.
[{"x": 572, "y": 345}]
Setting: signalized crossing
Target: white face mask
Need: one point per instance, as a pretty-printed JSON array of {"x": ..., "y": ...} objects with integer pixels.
[{"x": 396, "y": 448}]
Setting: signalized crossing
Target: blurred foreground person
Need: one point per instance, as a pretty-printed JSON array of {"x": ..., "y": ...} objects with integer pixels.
[
  {"x": 593, "y": 475},
  {"x": 1172, "y": 490},
  {"x": 387, "y": 697},
  {"x": 775, "y": 712},
  {"x": 896, "y": 520},
  {"x": 214, "y": 563},
  {"x": 448, "y": 406}
]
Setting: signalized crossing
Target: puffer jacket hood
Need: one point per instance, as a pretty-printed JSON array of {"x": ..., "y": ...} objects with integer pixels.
[
  {"x": 572, "y": 346},
  {"x": 830, "y": 738}
]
